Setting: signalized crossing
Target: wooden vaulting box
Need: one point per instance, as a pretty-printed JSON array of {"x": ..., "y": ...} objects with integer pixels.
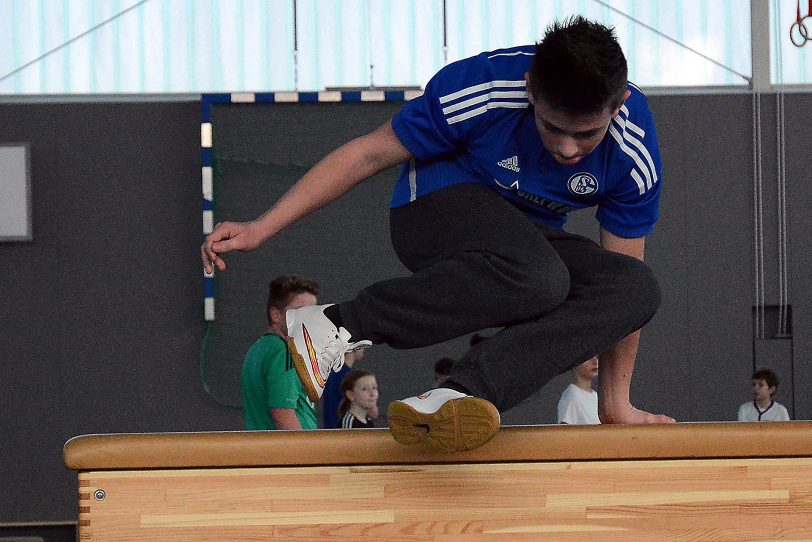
[{"x": 696, "y": 481}]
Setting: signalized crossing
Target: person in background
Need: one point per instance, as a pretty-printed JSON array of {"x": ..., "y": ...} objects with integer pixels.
[
  {"x": 579, "y": 402},
  {"x": 360, "y": 400},
  {"x": 272, "y": 393},
  {"x": 332, "y": 396},
  {"x": 763, "y": 408}
]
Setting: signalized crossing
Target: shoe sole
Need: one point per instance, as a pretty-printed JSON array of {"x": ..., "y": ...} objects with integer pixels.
[
  {"x": 460, "y": 424},
  {"x": 301, "y": 369}
]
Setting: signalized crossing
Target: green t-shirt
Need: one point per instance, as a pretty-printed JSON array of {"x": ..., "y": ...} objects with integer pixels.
[{"x": 269, "y": 380}]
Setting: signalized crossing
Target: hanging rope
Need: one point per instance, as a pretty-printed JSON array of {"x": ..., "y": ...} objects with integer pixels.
[
  {"x": 370, "y": 46},
  {"x": 781, "y": 155},
  {"x": 295, "y": 45},
  {"x": 781, "y": 183},
  {"x": 758, "y": 230},
  {"x": 785, "y": 235},
  {"x": 445, "y": 34}
]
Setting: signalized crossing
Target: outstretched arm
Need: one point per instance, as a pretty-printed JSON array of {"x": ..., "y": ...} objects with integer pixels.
[
  {"x": 617, "y": 363},
  {"x": 335, "y": 175}
]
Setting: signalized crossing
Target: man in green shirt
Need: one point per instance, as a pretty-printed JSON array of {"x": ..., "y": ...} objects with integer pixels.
[{"x": 272, "y": 394}]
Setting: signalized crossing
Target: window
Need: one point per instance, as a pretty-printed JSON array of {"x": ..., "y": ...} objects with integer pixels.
[{"x": 195, "y": 46}]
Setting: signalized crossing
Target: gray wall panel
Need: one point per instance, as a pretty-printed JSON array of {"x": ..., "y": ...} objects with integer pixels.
[
  {"x": 101, "y": 319},
  {"x": 799, "y": 200},
  {"x": 100, "y": 323}
]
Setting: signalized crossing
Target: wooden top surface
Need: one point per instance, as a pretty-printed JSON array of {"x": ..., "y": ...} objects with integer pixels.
[{"x": 376, "y": 447}]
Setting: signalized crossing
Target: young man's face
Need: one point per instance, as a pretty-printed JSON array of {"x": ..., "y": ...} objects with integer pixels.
[
  {"x": 761, "y": 390},
  {"x": 566, "y": 137}
]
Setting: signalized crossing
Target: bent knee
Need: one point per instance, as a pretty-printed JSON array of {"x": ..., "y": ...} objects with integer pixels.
[
  {"x": 549, "y": 287},
  {"x": 531, "y": 287}
]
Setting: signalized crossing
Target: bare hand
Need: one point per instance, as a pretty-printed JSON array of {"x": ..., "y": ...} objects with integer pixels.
[
  {"x": 228, "y": 236},
  {"x": 373, "y": 412},
  {"x": 631, "y": 415}
]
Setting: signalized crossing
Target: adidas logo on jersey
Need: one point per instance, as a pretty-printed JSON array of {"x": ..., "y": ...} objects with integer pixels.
[{"x": 511, "y": 163}]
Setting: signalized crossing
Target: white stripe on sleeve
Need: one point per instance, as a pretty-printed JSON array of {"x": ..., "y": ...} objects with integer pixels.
[
  {"x": 513, "y": 54},
  {"x": 484, "y": 98},
  {"x": 412, "y": 180},
  {"x": 628, "y": 126},
  {"x": 484, "y": 108},
  {"x": 634, "y": 156},
  {"x": 479, "y": 88}
]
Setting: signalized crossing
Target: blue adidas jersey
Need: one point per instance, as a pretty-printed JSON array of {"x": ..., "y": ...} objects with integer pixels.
[{"x": 474, "y": 124}]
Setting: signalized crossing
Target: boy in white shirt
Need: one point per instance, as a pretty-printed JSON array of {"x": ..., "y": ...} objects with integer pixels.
[
  {"x": 579, "y": 402},
  {"x": 762, "y": 408}
]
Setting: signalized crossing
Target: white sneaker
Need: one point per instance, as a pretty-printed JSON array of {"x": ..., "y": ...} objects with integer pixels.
[
  {"x": 444, "y": 419},
  {"x": 317, "y": 347}
]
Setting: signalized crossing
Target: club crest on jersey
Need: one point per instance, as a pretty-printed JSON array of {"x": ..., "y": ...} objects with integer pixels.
[{"x": 583, "y": 184}]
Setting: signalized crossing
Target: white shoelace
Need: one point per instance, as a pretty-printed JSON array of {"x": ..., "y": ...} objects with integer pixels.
[{"x": 335, "y": 351}]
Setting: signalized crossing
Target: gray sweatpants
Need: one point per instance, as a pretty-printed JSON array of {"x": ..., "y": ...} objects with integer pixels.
[{"x": 478, "y": 263}]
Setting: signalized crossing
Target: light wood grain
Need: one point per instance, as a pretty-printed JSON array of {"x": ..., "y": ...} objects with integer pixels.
[
  {"x": 673, "y": 500},
  {"x": 489, "y": 495}
]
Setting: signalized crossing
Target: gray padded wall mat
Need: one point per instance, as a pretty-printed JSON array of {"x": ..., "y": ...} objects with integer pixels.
[{"x": 102, "y": 321}]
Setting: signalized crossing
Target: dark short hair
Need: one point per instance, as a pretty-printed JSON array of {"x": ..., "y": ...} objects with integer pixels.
[
  {"x": 283, "y": 288},
  {"x": 579, "y": 68},
  {"x": 443, "y": 366},
  {"x": 767, "y": 376}
]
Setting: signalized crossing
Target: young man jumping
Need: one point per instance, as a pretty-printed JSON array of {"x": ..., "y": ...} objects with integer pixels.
[{"x": 494, "y": 154}]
